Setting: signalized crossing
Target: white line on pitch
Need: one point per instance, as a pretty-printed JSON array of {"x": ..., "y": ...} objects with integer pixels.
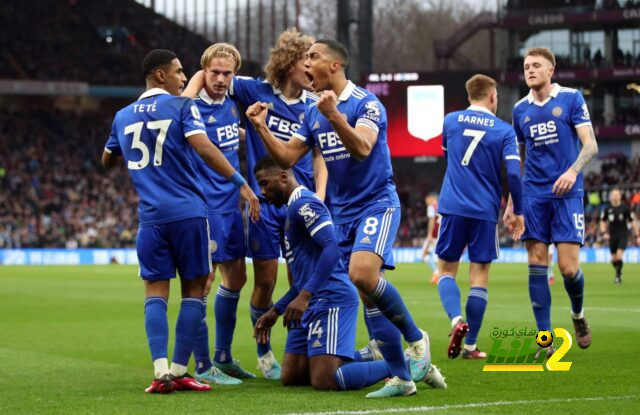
[{"x": 464, "y": 406}]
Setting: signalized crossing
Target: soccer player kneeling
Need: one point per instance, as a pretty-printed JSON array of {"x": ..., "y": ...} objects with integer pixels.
[{"x": 321, "y": 308}]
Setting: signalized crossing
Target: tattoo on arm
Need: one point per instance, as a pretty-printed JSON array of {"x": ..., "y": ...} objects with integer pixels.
[{"x": 588, "y": 151}]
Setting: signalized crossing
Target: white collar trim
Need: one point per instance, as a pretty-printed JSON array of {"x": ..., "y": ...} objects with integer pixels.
[
  {"x": 153, "y": 91},
  {"x": 206, "y": 98},
  {"x": 346, "y": 92},
  {"x": 553, "y": 94},
  {"x": 479, "y": 108},
  {"x": 295, "y": 194},
  {"x": 301, "y": 98}
]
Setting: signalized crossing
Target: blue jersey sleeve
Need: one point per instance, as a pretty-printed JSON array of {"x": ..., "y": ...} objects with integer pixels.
[
  {"x": 191, "y": 119},
  {"x": 371, "y": 114},
  {"x": 242, "y": 89},
  {"x": 516, "y": 128},
  {"x": 113, "y": 145},
  {"x": 579, "y": 111},
  {"x": 510, "y": 146},
  {"x": 304, "y": 132},
  {"x": 512, "y": 162},
  {"x": 317, "y": 221}
]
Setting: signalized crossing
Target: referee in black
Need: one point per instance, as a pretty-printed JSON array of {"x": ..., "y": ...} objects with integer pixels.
[{"x": 618, "y": 216}]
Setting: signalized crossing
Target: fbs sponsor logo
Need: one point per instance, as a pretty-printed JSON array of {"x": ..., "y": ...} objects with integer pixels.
[
  {"x": 516, "y": 351},
  {"x": 365, "y": 240}
]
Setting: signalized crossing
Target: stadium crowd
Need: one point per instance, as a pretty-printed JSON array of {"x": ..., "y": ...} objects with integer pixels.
[
  {"x": 94, "y": 33},
  {"x": 54, "y": 194}
]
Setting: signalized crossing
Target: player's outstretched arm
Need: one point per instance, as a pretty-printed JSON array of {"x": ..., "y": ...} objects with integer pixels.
[
  {"x": 196, "y": 83},
  {"x": 218, "y": 162},
  {"x": 589, "y": 150},
  {"x": 285, "y": 153},
  {"x": 516, "y": 221},
  {"x": 320, "y": 173},
  {"x": 358, "y": 141}
]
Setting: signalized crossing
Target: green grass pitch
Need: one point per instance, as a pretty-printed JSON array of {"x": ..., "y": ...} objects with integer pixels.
[{"x": 72, "y": 341}]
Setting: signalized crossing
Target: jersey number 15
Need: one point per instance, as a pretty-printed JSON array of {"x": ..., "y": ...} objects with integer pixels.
[{"x": 136, "y": 129}]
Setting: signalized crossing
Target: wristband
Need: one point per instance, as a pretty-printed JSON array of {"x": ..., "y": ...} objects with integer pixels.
[{"x": 237, "y": 179}]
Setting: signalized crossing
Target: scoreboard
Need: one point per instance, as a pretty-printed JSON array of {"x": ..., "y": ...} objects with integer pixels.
[{"x": 416, "y": 104}]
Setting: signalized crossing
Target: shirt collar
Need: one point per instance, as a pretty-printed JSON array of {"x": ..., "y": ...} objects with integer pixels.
[
  {"x": 302, "y": 97},
  {"x": 206, "y": 98},
  {"x": 294, "y": 195},
  {"x": 553, "y": 94},
  {"x": 479, "y": 108},
  {"x": 153, "y": 91},
  {"x": 346, "y": 92}
]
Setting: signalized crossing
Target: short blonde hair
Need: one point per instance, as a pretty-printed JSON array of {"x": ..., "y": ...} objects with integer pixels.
[
  {"x": 290, "y": 47},
  {"x": 479, "y": 86},
  {"x": 544, "y": 52},
  {"x": 221, "y": 50}
]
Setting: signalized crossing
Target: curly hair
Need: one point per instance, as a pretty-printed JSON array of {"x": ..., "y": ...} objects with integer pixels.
[
  {"x": 221, "y": 50},
  {"x": 290, "y": 47}
]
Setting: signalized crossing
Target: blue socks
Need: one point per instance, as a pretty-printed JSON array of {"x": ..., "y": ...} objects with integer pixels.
[
  {"x": 201, "y": 346},
  {"x": 540, "y": 296},
  {"x": 389, "y": 341},
  {"x": 359, "y": 375},
  {"x": 192, "y": 312},
  {"x": 256, "y": 313},
  {"x": 156, "y": 326},
  {"x": 225, "y": 308},
  {"x": 450, "y": 296},
  {"x": 387, "y": 299},
  {"x": 476, "y": 305},
  {"x": 575, "y": 288}
]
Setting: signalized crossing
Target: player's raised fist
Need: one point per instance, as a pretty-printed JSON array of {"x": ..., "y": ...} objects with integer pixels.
[
  {"x": 327, "y": 103},
  {"x": 257, "y": 113}
]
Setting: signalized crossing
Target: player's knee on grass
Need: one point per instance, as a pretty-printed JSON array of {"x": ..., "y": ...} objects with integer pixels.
[
  {"x": 323, "y": 369},
  {"x": 295, "y": 370},
  {"x": 364, "y": 270}
]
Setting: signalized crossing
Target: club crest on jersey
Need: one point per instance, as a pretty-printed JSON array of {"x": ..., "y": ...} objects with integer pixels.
[
  {"x": 301, "y": 117},
  {"x": 213, "y": 246},
  {"x": 211, "y": 119},
  {"x": 234, "y": 111},
  {"x": 557, "y": 111},
  {"x": 309, "y": 215},
  {"x": 316, "y": 125}
]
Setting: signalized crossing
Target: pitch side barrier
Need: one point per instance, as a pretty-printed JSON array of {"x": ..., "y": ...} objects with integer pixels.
[{"x": 128, "y": 256}]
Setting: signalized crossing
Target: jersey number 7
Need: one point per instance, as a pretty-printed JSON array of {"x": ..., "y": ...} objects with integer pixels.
[
  {"x": 477, "y": 136},
  {"x": 136, "y": 129}
]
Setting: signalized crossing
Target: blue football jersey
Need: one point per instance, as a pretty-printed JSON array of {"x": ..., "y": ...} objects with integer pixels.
[
  {"x": 353, "y": 185},
  {"x": 222, "y": 121},
  {"x": 548, "y": 131},
  {"x": 306, "y": 215},
  {"x": 151, "y": 134},
  {"x": 476, "y": 142},
  {"x": 283, "y": 119}
]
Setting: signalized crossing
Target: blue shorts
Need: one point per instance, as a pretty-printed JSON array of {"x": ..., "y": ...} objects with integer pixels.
[
  {"x": 325, "y": 331},
  {"x": 227, "y": 236},
  {"x": 457, "y": 232},
  {"x": 552, "y": 220},
  {"x": 265, "y": 237},
  {"x": 374, "y": 231},
  {"x": 181, "y": 245}
]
